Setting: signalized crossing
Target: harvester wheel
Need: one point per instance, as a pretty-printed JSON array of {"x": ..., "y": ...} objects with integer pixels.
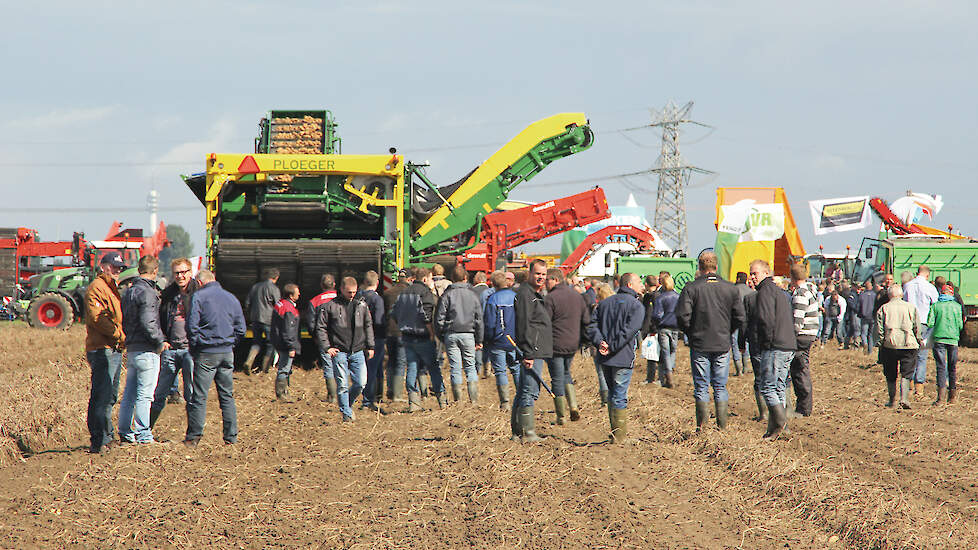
[
  {"x": 50, "y": 310},
  {"x": 969, "y": 336}
]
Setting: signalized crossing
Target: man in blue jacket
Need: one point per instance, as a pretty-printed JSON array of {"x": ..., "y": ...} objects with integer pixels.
[
  {"x": 214, "y": 325},
  {"x": 500, "y": 332},
  {"x": 614, "y": 332},
  {"x": 144, "y": 343}
]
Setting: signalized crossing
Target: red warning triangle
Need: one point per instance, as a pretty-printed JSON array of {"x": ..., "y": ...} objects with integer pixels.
[{"x": 248, "y": 165}]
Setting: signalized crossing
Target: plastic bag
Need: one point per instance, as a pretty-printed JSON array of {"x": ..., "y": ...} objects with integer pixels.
[{"x": 650, "y": 348}]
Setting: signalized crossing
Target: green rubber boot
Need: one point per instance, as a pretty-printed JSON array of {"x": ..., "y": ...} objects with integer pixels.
[
  {"x": 473, "y": 389},
  {"x": 575, "y": 413},
  {"x": 702, "y": 413},
  {"x": 619, "y": 425},
  {"x": 528, "y": 425},
  {"x": 722, "y": 414},
  {"x": 560, "y": 407},
  {"x": 503, "y": 392}
]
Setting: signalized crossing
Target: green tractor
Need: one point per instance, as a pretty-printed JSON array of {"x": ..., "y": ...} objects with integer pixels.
[{"x": 57, "y": 298}]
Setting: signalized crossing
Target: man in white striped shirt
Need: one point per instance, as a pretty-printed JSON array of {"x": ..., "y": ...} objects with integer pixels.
[{"x": 804, "y": 307}]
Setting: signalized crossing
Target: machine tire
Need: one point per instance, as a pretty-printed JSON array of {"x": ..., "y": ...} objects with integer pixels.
[
  {"x": 51, "y": 311},
  {"x": 969, "y": 335}
]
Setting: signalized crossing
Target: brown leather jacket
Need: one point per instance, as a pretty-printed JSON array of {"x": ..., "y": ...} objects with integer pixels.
[{"x": 103, "y": 315}]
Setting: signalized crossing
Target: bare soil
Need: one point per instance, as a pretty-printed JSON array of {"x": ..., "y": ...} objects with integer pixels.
[{"x": 854, "y": 475}]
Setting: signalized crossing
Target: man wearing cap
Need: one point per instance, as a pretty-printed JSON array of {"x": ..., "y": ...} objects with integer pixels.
[{"x": 103, "y": 349}]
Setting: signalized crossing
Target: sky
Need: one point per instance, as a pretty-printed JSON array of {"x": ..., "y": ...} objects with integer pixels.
[{"x": 104, "y": 101}]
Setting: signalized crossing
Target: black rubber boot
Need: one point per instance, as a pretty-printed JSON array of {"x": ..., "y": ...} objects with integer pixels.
[
  {"x": 702, "y": 413},
  {"x": 761, "y": 406},
  {"x": 528, "y": 425},
  {"x": 575, "y": 413},
  {"x": 514, "y": 424},
  {"x": 503, "y": 392},
  {"x": 604, "y": 398},
  {"x": 778, "y": 420},
  {"x": 331, "y": 393},
  {"x": 722, "y": 414},
  {"x": 281, "y": 388},
  {"x": 651, "y": 368},
  {"x": 560, "y": 407},
  {"x": 905, "y": 384},
  {"x": 891, "y": 394},
  {"x": 154, "y": 415},
  {"x": 619, "y": 425}
]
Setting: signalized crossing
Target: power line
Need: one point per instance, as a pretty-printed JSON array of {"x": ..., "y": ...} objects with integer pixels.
[{"x": 100, "y": 209}]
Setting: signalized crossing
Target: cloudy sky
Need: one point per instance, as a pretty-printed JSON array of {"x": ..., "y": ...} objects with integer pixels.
[{"x": 104, "y": 101}]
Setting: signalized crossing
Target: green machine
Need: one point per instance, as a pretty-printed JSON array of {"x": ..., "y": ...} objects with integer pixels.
[
  {"x": 683, "y": 270},
  {"x": 954, "y": 259},
  {"x": 301, "y": 205}
]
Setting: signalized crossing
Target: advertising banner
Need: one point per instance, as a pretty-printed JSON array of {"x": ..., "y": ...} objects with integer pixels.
[{"x": 835, "y": 215}]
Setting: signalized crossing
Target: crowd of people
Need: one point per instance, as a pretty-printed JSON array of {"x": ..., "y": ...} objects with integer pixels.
[{"x": 510, "y": 325}]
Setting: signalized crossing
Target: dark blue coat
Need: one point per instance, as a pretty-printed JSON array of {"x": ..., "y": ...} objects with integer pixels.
[
  {"x": 215, "y": 321},
  {"x": 617, "y": 321},
  {"x": 664, "y": 309},
  {"x": 141, "y": 316},
  {"x": 499, "y": 317}
]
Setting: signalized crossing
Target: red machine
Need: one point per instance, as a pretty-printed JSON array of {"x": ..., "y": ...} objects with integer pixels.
[
  {"x": 893, "y": 223},
  {"x": 502, "y": 231},
  {"x": 151, "y": 246},
  {"x": 22, "y": 251},
  {"x": 643, "y": 241}
]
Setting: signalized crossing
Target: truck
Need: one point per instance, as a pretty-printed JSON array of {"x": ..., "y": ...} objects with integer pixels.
[
  {"x": 302, "y": 206},
  {"x": 682, "y": 269},
  {"x": 955, "y": 259}
]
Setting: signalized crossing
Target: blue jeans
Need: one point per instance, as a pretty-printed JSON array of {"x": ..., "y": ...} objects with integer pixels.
[
  {"x": 734, "y": 347},
  {"x": 260, "y": 333},
  {"x": 396, "y": 362},
  {"x": 560, "y": 374},
  {"x": 774, "y": 375},
  {"x": 920, "y": 374},
  {"x": 668, "y": 344},
  {"x": 284, "y": 367},
  {"x": 326, "y": 362},
  {"x": 866, "y": 332},
  {"x": 350, "y": 371},
  {"x": 216, "y": 368},
  {"x": 602, "y": 383},
  {"x": 375, "y": 372},
  {"x": 173, "y": 361},
  {"x": 710, "y": 369},
  {"x": 618, "y": 379},
  {"x": 460, "y": 348},
  {"x": 503, "y": 360},
  {"x": 420, "y": 354},
  {"x": 528, "y": 389},
  {"x": 946, "y": 365},
  {"x": 106, "y": 365},
  {"x": 832, "y": 328},
  {"x": 142, "y": 373}
]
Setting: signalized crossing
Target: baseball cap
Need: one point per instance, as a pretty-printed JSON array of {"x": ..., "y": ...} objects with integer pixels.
[{"x": 114, "y": 259}]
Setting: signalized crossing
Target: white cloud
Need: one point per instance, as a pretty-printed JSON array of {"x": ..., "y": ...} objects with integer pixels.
[{"x": 63, "y": 118}]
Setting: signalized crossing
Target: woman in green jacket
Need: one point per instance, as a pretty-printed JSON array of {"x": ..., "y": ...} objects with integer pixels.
[{"x": 945, "y": 318}]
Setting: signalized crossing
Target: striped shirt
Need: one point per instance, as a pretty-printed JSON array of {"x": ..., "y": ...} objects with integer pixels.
[{"x": 804, "y": 307}]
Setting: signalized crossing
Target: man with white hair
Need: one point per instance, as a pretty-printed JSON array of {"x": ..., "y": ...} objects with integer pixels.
[
  {"x": 899, "y": 335},
  {"x": 921, "y": 294}
]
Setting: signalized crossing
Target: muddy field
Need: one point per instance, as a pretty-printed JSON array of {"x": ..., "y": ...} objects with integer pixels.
[{"x": 855, "y": 475}]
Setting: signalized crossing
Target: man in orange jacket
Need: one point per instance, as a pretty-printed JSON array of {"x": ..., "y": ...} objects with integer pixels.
[{"x": 103, "y": 349}]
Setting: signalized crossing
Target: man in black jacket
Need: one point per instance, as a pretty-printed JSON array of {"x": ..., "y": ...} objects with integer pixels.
[
  {"x": 570, "y": 317},
  {"x": 772, "y": 323},
  {"x": 144, "y": 343},
  {"x": 285, "y": 338},
  {"x": 345, "y": 332},
  {"x": 374, "y": 390},
  {"x": 709, "y": 311},
  {"x": 458, "y": 323},
  {"x": 174, "y": 305},
  {"x": 652, "y": 285},
  {"x": 259, "y": 305},
  {"x": 535, "y": 342},
  {"x": 413, "y": 312}
]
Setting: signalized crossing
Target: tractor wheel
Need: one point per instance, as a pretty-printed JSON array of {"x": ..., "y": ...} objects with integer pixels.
[
  {"x": 50, "y": 310},
  {"x": 969, "y": 336}
]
